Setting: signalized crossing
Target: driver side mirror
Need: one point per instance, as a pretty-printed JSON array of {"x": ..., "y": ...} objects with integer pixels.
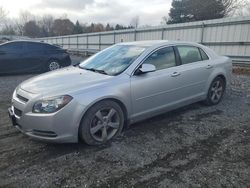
[{"x": 145, "y": 68}]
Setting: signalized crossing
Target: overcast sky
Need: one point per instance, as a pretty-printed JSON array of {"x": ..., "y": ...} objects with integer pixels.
[{"x": 87, "y": 11}]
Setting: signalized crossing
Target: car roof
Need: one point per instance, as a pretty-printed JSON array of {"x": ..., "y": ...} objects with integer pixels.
[
  {"x": 155, "y": 43},
  {"x": 147, "y": 43},
  {"x": 28, "y": 41}
]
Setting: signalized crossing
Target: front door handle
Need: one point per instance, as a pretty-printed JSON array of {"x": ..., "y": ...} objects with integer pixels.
[
  {"x": 175, "y": 74},
  {"x": 209, "y": 66}
]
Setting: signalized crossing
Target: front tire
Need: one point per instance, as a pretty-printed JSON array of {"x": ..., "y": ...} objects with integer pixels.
[
  {"x": 101, "y": 123},
  {"x": 216, "y": 91}
]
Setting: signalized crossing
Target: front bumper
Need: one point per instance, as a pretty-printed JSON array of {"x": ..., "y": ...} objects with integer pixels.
[
  {"x": 66, "y": 61},
  {"x": 59, "y": 127}
]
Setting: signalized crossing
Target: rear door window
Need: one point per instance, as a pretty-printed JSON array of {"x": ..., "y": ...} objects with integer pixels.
[
  {"x": 31, "y": 46},
  {"x": 189, "y": 54}
]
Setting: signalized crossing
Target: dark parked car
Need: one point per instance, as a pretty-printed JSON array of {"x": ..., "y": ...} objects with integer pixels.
[{"x": 29, "y": 57}]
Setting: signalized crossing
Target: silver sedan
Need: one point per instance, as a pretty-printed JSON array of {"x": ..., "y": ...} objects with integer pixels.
[{"x": 120, "y": 85}]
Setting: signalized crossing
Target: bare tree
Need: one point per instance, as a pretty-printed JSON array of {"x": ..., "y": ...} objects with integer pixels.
[
  {"x": 46, "y": 24},
  {"x": 31, "y": 29},
  {"x": 63, "y": 27},
  {"x": 233, "y": 6},
  {"x": 248, "y": 8},
  {"x": 3, "y": 15},
  {"x": 98, "y": 27},
  {"x": 135, "y": 21},
  {"x": 24, "y": 17},
  {"x": 64, "y": 16},
  {"x": 243, "y": 9},
  {"x": 164, "y": 20},
  {"x": 8, "y": 27}
]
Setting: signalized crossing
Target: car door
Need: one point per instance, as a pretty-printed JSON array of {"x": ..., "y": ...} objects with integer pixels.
[
  {"x": 33, "y": 56},
  {"x": 194, "y": 72},
  {"x": 153, "y": 91},
  {"x": 10, "y": 57}
]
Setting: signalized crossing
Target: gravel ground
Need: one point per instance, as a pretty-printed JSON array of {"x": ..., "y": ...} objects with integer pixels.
[{"x": 195, "y": 146}]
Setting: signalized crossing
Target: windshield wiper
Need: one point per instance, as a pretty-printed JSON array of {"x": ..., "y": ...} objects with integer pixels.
[
  {"x": 95, "y": 70},
  {"x": 101, "y": 71}
]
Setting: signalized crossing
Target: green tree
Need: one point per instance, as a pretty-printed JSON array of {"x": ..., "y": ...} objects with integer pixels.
[
  {"x": 77, "y": 28},
  {"x": 178, "y": 12},
  {"x": 196, "y": 10},
  {"x": 119, "y": 27},
  {"x": 108, "y": 27}
]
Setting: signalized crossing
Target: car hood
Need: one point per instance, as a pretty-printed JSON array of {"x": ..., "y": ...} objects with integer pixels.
[{"x": 66, "y": 80}]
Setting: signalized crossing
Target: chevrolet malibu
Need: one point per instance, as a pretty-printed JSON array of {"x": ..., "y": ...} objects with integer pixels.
[{"x": 120, "y": 85}]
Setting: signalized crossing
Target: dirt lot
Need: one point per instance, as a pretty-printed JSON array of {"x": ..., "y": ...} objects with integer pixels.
[{"x": 195, "y": 146}]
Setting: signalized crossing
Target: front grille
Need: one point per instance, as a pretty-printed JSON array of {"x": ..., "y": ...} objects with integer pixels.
[
  {"x": 22, "y": 98},
  {"x": 44, "y": 133},
  {"x": 17, "y": 112}
]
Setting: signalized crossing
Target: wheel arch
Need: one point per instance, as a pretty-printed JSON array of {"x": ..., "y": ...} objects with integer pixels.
[
  {"x": 119, "y": 102},
  {"x": 53, "y": 59},
  {"x": 208, "y": 101},
  {"x": 222, "y": 77},
  {"x": 218, "y": 73}
]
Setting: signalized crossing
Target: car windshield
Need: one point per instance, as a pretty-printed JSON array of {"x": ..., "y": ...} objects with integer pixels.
[{"x": 113, "y": 60}]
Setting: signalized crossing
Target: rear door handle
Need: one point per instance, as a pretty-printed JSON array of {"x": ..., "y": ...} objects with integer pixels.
[
  {"x": 175, "y": 74},
  {"x": 209, "y": 66}
]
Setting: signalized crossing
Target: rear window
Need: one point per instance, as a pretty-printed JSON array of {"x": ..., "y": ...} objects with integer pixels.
[
  {"x": 51, "y": 47},
  {"x": 189, "y": 54}
]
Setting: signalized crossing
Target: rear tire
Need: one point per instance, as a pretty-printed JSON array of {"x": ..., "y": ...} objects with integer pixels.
[
  {"x": 216, "y": 91},
  {"x": 53, "y": 65},
  {"x": 101, "y": 123}
]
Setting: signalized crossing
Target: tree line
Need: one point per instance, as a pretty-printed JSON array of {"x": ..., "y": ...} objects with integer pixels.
[
  {"x": 181, "y": 11},
  {"x": 47, "y": 26}
]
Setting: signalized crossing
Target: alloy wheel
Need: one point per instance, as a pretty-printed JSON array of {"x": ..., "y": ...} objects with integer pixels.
[
  {"x": 54, "y": 65},
  {"x": 105, "y": 124},
  {"x": 216, "y": 91}
]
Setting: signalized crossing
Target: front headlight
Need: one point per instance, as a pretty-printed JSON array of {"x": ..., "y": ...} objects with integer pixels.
[{"x": 51, "y": 105}]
